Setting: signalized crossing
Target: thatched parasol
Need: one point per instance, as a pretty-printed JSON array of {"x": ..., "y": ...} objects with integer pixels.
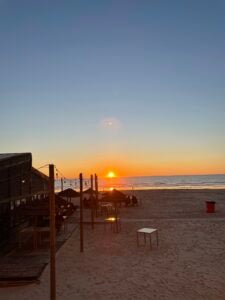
[
  {"x": 113, "y": 196},
  {"x": 69, "y": 193},
  {"x": 89, "y": 191}
]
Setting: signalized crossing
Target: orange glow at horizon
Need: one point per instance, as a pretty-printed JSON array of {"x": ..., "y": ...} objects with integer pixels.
[{"x": 127, "y": 166}]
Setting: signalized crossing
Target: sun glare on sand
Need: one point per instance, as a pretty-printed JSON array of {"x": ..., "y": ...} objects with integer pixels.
[{"x": 111, "y": 174}]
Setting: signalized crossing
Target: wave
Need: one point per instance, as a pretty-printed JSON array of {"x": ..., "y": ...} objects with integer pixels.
[{"x": 151, "y": 182}]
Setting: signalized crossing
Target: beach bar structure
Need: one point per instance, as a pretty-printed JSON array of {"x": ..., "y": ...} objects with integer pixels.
[{"x": 19, "y": 184}]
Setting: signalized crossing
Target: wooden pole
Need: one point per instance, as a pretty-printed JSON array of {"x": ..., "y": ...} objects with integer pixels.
[
  {"x": 92, "y": 204},
  {"x": 96, "y": 192},
  {"x": 52, "y": 233},
  {"x": 30, "y": 181},
  {"x": 116, "y": 215},
  {"x": 81, "y": 215},
  {"x": 61, "y": 184}
]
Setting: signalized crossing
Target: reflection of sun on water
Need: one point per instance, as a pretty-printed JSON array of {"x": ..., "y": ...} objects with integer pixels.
[{"x": 110, "y": 181}]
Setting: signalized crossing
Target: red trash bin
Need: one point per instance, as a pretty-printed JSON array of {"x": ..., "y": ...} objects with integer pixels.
[{"x": 210, "y": 206}]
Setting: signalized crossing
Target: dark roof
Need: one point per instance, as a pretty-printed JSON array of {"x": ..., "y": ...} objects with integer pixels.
[
  {"x": 38, "y": 173},
  {"x": 10, "y": 155},
  {"x": 18, "y": 177},
  {"x": 13, "y": 159}
]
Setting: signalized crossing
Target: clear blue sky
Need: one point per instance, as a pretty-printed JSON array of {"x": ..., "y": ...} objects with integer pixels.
[{"x": 155, "y": 68}]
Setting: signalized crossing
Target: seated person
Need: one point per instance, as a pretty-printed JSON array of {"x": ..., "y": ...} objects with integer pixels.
[
  {"x": 134, "y": 201},
  {"x": 127, "y": 201}
]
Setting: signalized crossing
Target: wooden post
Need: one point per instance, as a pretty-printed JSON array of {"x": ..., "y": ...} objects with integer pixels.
[
  {"x": 81, "y": 214},
  {"x": 116, "y": 215},
  {"x": 92, "y": 204},
  {"x": 52, "y": 232},
  {"x": 61, "y": 184},
  {"x": 30, "y": 184},
  {"x": 96, "y": 192}
]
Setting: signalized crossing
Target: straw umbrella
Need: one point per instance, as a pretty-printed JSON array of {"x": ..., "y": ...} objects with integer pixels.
[
  {"x": 114, "y": 196},
  {"x": 69, "y": 193}
]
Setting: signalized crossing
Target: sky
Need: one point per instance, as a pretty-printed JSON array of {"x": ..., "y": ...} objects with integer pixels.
[{"x": 134, "y": 87}]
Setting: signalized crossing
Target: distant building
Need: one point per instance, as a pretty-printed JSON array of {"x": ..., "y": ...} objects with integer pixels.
[{"x": 19, "y": 183}]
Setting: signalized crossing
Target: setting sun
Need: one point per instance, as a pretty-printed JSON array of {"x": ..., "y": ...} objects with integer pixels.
[{"x": 111, "y": 174}]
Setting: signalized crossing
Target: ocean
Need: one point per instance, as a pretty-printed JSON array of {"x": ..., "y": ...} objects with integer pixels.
[{"x": 150, "y": 182}]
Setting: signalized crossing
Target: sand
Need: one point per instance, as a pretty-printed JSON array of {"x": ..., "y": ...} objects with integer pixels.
[{"x": 188, "y": 264}]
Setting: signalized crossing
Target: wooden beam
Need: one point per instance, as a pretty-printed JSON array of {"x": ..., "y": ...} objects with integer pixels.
[
  {"x": 96, "y": 193},
  {"x": 61, "y": 184},
  {"x": 52, "y": 232},
  {"x": 81, "y": 215},
  {"x": 92, "y": 203}
]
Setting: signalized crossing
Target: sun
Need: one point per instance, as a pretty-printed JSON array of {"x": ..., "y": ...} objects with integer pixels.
[{"x": 111, "y": 174}]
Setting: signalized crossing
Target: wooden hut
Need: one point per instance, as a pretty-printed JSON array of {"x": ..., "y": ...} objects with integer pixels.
[{"x": 19, "y": 183}]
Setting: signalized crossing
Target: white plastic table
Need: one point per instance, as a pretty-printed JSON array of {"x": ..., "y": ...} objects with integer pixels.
[{"x": 148, "y": 231}]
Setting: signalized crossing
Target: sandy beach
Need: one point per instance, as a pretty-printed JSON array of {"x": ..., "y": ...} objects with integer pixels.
[{"x": 188, "y": 264}]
